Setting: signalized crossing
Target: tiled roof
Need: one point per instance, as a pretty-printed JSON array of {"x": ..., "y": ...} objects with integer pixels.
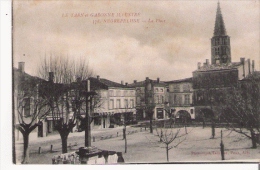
[
  {"x": 25, "y": 79},
  {"x": 137, "y": 84},
  {"x": 225, "y": 66},
  {"x": 104, "y": 83},
  {"x": 180, "y": 80},
  {"x": 142, "y": 83},
  {"x": 111, "y": 83}
]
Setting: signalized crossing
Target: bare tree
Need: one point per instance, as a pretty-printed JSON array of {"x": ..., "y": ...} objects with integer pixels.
[
  {"x": 31, "y": 110},
  {"x": 243, "y": 107},
  {"x": 168, "y": 136},
  {"x": 60, "y": 106},
  {"x": 66, "y": 69},
  {"x": 67, "y": 97}
]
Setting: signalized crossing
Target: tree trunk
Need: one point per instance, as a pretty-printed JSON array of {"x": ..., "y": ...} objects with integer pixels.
[
  {"x": 125, "y": 144},
  {"x": 124, "y": 133},
  {"x": 25, "y": 148},
  {"x": 167, "y": 152},
  {"x": 213, "y": 129},
  {"x": 253, "y": 139},
  {"x": 151, "y": 123},
  {"x": 64, "y": 142}
]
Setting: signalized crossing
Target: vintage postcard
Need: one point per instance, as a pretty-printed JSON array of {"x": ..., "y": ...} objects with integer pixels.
[{"x": 135, "y": 82}]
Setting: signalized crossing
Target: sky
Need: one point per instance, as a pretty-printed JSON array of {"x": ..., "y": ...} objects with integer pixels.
[{"x": 164, "y": 39}]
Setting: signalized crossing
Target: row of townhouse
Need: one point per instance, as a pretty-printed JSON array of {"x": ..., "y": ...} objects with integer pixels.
[
  {"x": 126, "y": 103},
  {"x": 115, "y": 104},
  {"x": 118, "y": 103},
  {"x": 174, "y": 97}
]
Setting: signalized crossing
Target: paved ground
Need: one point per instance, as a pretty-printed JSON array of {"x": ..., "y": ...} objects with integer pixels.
[{"x": 144, "y": 147}]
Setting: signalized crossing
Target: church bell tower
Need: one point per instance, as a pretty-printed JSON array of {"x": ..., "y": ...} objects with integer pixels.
[{"x": 220, "y": 42}]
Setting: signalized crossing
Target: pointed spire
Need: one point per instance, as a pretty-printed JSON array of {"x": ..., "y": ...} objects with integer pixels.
[{"x": 219, "y": 24}]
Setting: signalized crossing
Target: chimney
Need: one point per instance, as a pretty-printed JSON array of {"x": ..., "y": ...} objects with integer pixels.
[
  {"x": 122, "y": 82},
  {"x": 242, "y": 60},
  {"x": 253, "y": 65},
  {"x": 126, "y": 83},
  {"x": 158, "y": 80},
  {"x": 51, "y": 76},
  {"x": 21, "y": 66},
  {"x": 207, "y": 62},
  {"x": 135, "y": 81},
  {"x": 98, "y": 77},
  {"x": 199, "y": 65},
  {"x": 249, "y": 64}
]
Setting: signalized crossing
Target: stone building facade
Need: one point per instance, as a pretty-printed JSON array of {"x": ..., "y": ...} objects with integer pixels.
[
  {"x": 181, "y": 98},
  {"x": 150, "y": 92},
  {"x": 23, "y": 84},
  {"x": 118, "y": 103}
]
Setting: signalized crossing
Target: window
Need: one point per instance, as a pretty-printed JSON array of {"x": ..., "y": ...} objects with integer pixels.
[
  {"x": 161, "y": 90},
  {"x": 162, "y": 99},
  {"x": 177, "y": 99},
  {"x": 132, "y": 105},
  {"x": 159, "y": 113},
  {"x": 187, "y": 99},
  {"x": 111, "y": 104},
  {"x": 111, "y": 93},
  {"x": 176, "y": 88},
  {"x": 156, "y": 90},
  {"x": 191, "y": 111},
  {"x": 157, "y": 98},
  {"x": 217, "y": 51},
  {"x": 186, "y": 87},
  {"x": 126, "y": 103},
  {"x": 217, "y": 41},
  {"x": 118, "y": 104},
  {"x": 27, "y": 107},
  {"x": 118, "y": 93}
]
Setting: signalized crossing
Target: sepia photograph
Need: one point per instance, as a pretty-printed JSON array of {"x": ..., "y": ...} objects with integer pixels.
[{"x": 113, "y": 82}]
